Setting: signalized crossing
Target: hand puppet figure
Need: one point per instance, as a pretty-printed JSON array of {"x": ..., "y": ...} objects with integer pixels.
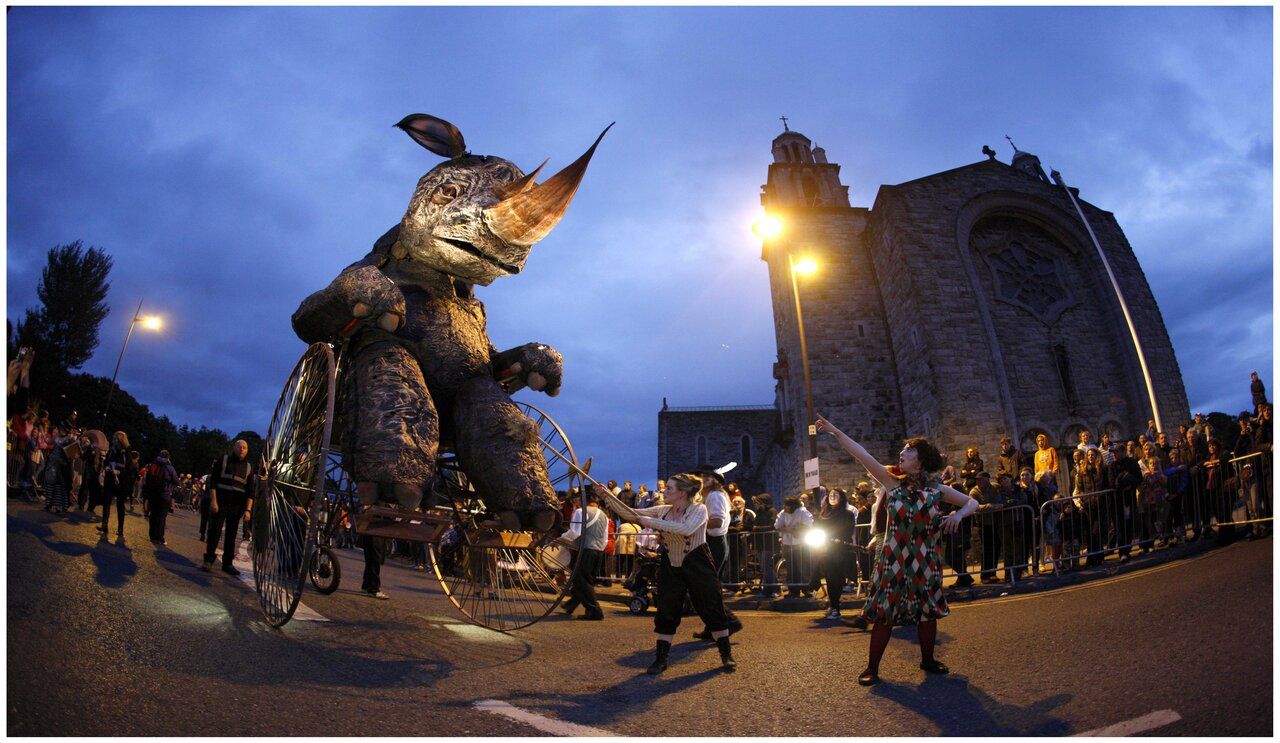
[{"x": 420, "y": 366}]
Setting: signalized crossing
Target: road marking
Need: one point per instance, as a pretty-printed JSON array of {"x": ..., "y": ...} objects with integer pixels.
[
  {"x": 545, "y": 724},
  {"x": 303, "y": 612},
  {"x": 1136, "y": 725}
]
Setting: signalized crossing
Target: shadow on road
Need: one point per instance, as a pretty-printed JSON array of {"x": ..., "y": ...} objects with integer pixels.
[
  {"x": 960, "y": 708},
  {"x": 629, "y": 697},
  {"x": 114, "y": 561},
  {"x": 182, "y": 566}
]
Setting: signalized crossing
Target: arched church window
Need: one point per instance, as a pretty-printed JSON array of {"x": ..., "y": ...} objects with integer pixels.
[
  {"x": 1023, "y": 264},
  {"x": 702, "y": 450},
  {"x": 812, "y": 196},
  {"x": 1028, "y": 440},
  {"x": 746, "y": 449},
  {"x": 1065, "y": 376}
]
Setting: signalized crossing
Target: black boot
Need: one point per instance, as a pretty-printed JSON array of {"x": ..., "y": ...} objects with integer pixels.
[
  {"x": 660, "y": 660},
  {"x": 727, "y": 663}
]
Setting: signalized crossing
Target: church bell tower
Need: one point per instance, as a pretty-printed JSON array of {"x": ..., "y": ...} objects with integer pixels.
[
  {"x": 852, "y": 378},
  {"x": 801, "y": 176}
]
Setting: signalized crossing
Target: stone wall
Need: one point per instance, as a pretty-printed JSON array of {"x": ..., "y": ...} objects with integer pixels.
[
  {"x": 852, "y": 372},
  {"x": 976, "y": 362},
  {"x": 722, "y": 430},
  {"x": 963, "y": 306}
]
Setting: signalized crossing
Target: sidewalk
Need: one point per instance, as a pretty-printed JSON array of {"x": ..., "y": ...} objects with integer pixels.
[{"x": 1111, "y": 566}]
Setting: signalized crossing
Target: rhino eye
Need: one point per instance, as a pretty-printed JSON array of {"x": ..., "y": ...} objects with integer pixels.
[{"x": 445, "y": 193}]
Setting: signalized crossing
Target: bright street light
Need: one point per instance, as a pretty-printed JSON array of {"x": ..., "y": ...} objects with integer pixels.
[
  {"x": 766, "y": 227},
  {"x": 150, "y": 322},
  {"x": 815, "y": 538},
  {"x": 805, "y": 266}
]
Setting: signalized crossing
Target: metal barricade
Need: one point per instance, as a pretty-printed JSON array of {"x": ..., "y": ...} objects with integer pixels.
[
  {"x": 1088, "y": 525},
  {"x": 1245, "y": 496},
  {"x": 759, "y": 561},
  {"x": 991, "y": 541},
  {"x": 1095, "y": 525}
]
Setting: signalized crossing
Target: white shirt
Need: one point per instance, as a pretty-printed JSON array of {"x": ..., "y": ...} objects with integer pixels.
[
  {"x": 597, "y": 529},
  {"x": 785, "y": 520},
  {"x": 718, "y": 508}
]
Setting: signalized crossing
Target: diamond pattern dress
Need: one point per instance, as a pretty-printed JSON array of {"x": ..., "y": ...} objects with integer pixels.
[{"x": 907, "y": 581}]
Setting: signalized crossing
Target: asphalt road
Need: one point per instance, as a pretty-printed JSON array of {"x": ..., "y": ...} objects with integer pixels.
[{"x": 111, "y": 638}]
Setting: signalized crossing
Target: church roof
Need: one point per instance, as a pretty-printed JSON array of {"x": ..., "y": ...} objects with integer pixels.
[
  {"x": 793, "y": 134},
  {"x": 981, "y": 164}
]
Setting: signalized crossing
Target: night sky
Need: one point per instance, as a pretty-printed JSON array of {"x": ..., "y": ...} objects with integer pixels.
[{"x": 232, "y": 161}]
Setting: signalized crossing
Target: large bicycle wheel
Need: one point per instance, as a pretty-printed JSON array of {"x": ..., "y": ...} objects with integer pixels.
[
  {"x": 286, "y": 514},
  {"x": 501, "y": 580}
]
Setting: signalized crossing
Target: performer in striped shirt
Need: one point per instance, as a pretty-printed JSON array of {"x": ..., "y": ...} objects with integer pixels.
[{"x": 686, "y": 568}]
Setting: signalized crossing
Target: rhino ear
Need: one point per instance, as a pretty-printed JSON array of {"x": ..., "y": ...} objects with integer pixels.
[{"x": 436, "y": 135}]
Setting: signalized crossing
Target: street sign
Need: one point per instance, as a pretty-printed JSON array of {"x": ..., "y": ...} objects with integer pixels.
[{"x": 810, "y": 473}]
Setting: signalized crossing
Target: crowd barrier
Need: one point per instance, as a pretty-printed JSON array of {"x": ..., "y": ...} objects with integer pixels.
[{"x": 993, "y": 544}]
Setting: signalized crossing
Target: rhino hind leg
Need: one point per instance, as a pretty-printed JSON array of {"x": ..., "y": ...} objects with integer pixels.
[
  {"x": 396, "y": 431},
  {"x": 499, "y": 450}
]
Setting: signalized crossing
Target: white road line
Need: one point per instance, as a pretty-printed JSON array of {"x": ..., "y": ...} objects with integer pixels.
[
  {"x": 303, "y": 612},
  {"x": 1136, "y": 725},
  {"x": 545, "y": 724}
]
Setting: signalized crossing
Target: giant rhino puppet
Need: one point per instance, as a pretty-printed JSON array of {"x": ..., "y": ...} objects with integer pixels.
[{"x": 420, "y": 363}]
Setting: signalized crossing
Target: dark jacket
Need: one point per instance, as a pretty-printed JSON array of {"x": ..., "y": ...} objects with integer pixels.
[
  {"x": 969, "y": 472},
  {"x": 231, "y": 477},
  {"x": 1010, "y": 463},
  {"x": 163, "y": 473},
  {"x": 837, "y": 524}
]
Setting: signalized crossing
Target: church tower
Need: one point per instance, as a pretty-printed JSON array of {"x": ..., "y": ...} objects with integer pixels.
[{"x": 851, "y": 370}]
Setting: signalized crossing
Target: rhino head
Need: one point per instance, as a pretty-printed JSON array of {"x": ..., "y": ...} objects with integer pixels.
[{"x": 476, "y": 217}]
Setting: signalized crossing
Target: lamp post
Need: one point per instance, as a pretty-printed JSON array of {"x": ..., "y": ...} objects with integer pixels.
[
  {"x": 150, "y": 322},
  {"x": 804, "y": 266},
  {"x": 768, "y": 227}
]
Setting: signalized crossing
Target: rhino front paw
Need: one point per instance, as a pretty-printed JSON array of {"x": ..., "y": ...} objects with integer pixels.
[{"x": 538, "y": 366}]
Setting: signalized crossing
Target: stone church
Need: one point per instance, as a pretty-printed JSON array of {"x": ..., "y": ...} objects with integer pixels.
[{"x": 961, "y": 306}]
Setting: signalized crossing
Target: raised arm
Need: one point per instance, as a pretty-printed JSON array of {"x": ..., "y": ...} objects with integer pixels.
[
  {"x": 361, "y": 292},
  {"x": 876, "y": 469}
]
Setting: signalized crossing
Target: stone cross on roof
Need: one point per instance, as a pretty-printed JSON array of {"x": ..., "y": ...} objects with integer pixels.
[{"x": 785, "y": 128}]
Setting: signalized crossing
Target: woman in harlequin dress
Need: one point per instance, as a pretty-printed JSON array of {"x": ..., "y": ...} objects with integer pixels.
[{"x": 906, "y": 584}]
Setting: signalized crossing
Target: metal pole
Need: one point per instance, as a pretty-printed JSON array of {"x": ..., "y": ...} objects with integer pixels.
[
  {"x": 804, "y": 362},
  {"x": 127, "y": 336},
  {"x": 1124, "y": 306}
]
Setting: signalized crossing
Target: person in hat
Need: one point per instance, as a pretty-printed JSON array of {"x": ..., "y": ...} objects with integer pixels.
[
  {"x": 685, "y": 570},
  {"x": 589, "y": 533},
  {"x": 717, "y": 503}
]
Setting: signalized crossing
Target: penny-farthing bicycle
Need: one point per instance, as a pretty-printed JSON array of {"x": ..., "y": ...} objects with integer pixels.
[{"x": 499, "y": 579}]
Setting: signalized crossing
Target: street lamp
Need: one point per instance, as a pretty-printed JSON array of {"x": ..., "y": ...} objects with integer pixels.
[
  {"x": 150, "y": 322},
  {"x": 766, "y": 227}
]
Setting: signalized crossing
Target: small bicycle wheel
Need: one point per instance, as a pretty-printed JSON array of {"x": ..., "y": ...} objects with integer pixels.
[
  {"x": 286, "y": 514},
  {"x": 326, "y": 571}
]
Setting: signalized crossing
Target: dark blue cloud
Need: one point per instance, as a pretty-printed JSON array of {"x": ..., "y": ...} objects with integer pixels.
[{"x": 233, "y": 160}]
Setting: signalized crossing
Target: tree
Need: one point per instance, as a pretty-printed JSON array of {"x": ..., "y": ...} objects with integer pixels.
[
  {"x": 199, "y": 448},
  {"x": 64, "y": 330}
]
